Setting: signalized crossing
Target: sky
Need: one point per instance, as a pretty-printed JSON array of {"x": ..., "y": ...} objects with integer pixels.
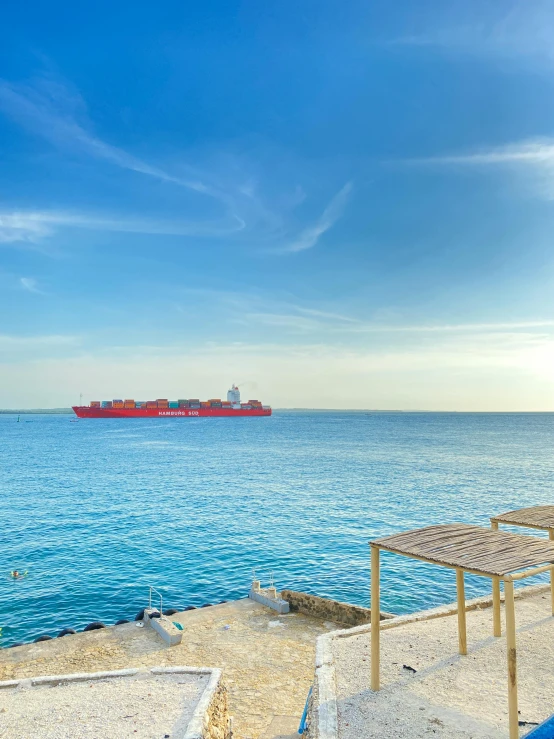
[{"x": 335, "y": 205}]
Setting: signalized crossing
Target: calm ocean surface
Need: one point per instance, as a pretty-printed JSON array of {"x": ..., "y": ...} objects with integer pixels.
[{"x": 98, "y": 510}]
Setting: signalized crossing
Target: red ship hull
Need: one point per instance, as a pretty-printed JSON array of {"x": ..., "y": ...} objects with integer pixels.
[{"x": 85, "y": 411}]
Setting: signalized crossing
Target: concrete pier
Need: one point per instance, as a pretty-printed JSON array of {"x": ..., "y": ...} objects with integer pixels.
[{"x": 266, "y": 659}]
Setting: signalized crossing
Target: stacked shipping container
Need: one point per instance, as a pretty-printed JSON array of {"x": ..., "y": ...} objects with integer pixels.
[
  {"x": 183, "y": 407},
  {"x": 193, "y": 403}
]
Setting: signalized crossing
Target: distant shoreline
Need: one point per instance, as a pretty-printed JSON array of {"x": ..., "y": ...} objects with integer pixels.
[
  {"x": 69, "y": 411},
  {"x": 49, "y": 411}
]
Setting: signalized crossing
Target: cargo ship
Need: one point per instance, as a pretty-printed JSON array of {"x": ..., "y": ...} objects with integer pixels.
[{"x": 162, "y": 408}]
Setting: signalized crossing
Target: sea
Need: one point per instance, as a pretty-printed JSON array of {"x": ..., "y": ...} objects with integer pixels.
[{"x": 98, "y": 511}]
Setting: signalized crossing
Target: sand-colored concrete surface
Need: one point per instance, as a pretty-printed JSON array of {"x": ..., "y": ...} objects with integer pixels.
[
  {"x": 267, "y": 659},
  {"x": 449, "y": 696},
  {"x": 132, "y": 706}
]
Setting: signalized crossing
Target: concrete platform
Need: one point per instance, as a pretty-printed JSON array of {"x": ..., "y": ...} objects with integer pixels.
[
  {"x": 443, "y": 694},
  {"x": 179, "y": 703},
  {"x": 266, "y": 659}
]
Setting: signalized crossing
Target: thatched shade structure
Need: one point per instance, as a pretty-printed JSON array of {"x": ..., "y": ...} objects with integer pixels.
[
  {"x": 465, "y": 548},
  {"x": 537, "y": 517}
]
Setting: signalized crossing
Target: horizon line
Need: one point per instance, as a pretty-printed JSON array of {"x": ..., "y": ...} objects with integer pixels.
[{"x": 69, "y": 411}]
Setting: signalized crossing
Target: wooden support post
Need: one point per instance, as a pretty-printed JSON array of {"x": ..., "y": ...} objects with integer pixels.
[
  {"x": 512, "y": 661},
  {"x": 460, "y": 592},
  {"x": 375, "y": 618},
  {"x": 496, "y": 623},
  {"x": 551, "y": 537}
]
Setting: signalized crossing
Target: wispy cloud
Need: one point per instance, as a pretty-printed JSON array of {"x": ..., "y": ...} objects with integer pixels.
[
  {"x": 519, "y": 30},
  {"x": 16, "y": 227},
  {"x": 32, "y": 226},
  {"x": 457, "y": 327},
  {"x": 30, "y": 284},
  {"x": 309, "y": 237},
  {"x": 276, "y": 309},
  {"x": 49, "y": 109},
  {"x": 292, "y": 322},
  {"x": 302, "y": 319},
  {"x": 530, "y": 161},
  {"x": 9, "y": 341},
  {"x": 534, "y": 152},
  {"x": 287, "y": 312},
  {"x": 325, "y": 314},
  {"x": 330, "y": 323}
]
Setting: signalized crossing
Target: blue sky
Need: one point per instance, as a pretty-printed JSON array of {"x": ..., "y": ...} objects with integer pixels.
[{"x": 337, "y": 205}]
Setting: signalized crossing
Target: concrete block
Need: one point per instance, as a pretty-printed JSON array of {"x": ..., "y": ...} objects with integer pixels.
[
  {"x": 164, "y": 627},
  {"x": 262, "y": 596}
]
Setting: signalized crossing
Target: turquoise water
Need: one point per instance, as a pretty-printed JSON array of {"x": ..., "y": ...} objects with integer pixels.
[{"x": 98, "y": 510}]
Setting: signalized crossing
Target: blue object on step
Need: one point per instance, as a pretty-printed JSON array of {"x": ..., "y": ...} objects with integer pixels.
[
  {"x": 177, "y": 625},
  {"x": 544, "y": 731},
  {"x": 302, "y": 727}
]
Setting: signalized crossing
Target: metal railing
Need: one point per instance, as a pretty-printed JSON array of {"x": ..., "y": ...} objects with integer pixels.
[{"x": 153, "y": 590}]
